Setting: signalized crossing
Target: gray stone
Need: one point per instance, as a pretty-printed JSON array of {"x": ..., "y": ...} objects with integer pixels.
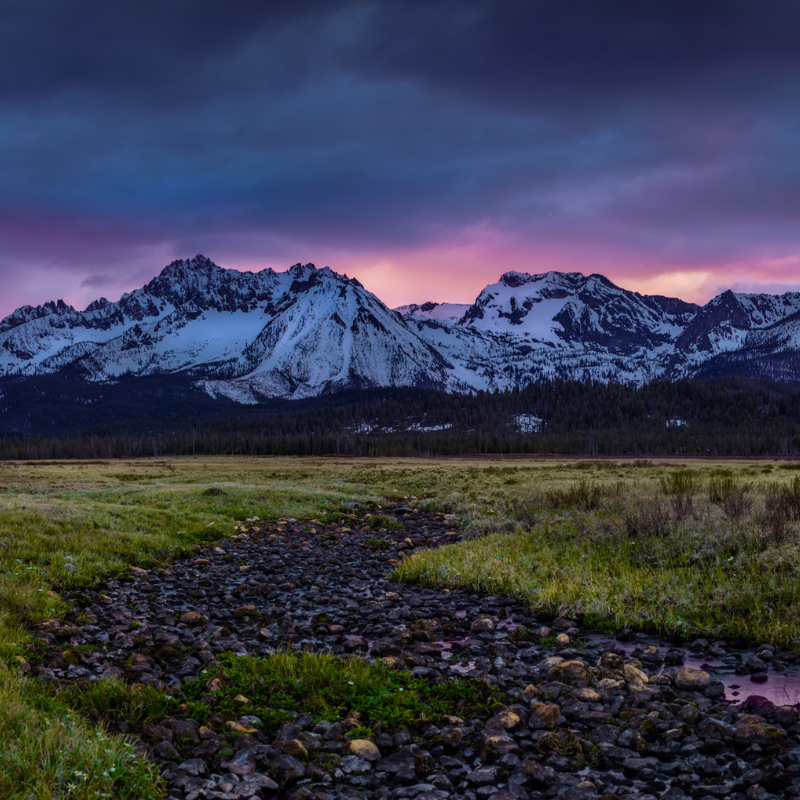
[
  {"x": 243, "y": 763},
  {"x": 193, "y": 766}
]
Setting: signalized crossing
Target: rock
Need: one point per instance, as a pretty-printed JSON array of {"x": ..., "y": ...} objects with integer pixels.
[
  {"x": 674, "y": 657},
  {"x": 237, "y": 727},
  {"x": 651, "y": 654},
  {"x": 787, "y": 716},
  {"x": 485, "y": 775},
  {"x": 166, "y": 751},
  {"x": 529, "y": 692},
  {"x": 755, "y": 664},
  {"x": 452, "y": 739},
  {"x": 500, "y": 795},
  {"x": 611, "y": 660},
  {"x": 193, "y": 766},
  {"x": 193, "y": 618},
  {"x": 400, "y": 759},
  {"x": 285, "y": 769},
  {"x": 634, "y": 676},
  {"x": 243, "y": 763},
  {"x": 584, "y": 790},
  {"x": 296, "y": 748},
  {"x": 751, "y": 732},
  {"x": 257, "y": 780},
  {"x": 540, "y": 776},
  {"x": 756, "y": 704},
  {"x": 362, "y": 748},
  {"x": 482, "y": 625},
  {"x": 142, "y": 662},
  {"x": 185, "y": 730},
  {"x": 353, "y": 765},
  {"x": 711, "y": 726},
  {"x": 548, "y": 663},
  {"x": 111, "y": 673},
  {"x": 636, "y": 764},
  {"x": 568, "y": 672},
  {"x": 544, "y": 716},
  {"x": 506, "y": 720},
  {"x": 692, "y": 679}
]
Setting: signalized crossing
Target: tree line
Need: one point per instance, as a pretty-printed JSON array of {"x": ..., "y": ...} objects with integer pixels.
[{"x": 729, "y": 417}]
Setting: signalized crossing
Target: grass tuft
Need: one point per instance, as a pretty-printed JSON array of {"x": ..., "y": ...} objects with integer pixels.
[
  {"x": 286, "y": 683},
  {"x": 50, "y": 753}
]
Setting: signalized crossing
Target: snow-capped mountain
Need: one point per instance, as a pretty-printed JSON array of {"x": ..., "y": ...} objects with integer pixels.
[
  {"x": 442, "y": 312},
  {"x": 308, "y": 331},
  {"x": 297, "y": 333}
]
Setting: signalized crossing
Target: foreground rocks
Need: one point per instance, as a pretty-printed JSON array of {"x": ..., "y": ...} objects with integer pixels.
[{"x": 581, "y": 719}]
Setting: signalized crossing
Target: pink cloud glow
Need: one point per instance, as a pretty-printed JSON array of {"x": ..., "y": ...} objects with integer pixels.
[{"x": 107, "y": 264}]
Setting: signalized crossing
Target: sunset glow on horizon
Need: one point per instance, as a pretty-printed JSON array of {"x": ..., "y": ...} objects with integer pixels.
[{"x": 425, "y": 149}]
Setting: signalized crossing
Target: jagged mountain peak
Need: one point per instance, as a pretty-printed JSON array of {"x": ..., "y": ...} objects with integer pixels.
[
  {"x": 308, "y": 330},
  {"x": 199, "y": 262},
  {"x": 299, "y": 270},
  {"x": 26, "y": 313},
  {"x": 441, "y": 312},
  {"x": 515, "y": 279}
]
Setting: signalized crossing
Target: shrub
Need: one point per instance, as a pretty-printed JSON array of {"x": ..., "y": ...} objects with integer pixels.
[
  {"x": 730, "y": 493},
  {"x": 680, "y": 486},
  {"x": 584, "y": 495},
  {"x": 378, "y": 521},
  {"x": 781, "y": 508},
  {"x": 374, "y": 543},
  {"x": 651, "y": 520},
  {"x": 526, "y": 509}
]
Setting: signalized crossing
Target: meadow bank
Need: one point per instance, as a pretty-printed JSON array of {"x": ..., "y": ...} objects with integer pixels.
[{"x": 679, "y": 548}]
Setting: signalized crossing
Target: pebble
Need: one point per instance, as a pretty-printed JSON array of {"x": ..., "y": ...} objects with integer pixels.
[{"x": 581, "y": 721}]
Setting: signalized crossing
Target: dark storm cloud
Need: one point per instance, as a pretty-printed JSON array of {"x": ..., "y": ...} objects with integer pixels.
[
  {"x": 564, "y": 52},
  {"x": 667, "y": 132}
]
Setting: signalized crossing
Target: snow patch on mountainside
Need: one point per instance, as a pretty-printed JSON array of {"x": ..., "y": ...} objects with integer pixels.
[
  {"x": 441, "y": 312},
  {"x": 299, "y": 333}
]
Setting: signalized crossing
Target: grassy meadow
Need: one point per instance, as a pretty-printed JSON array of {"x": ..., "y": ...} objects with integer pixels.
[{"x": 685, "y": 548}]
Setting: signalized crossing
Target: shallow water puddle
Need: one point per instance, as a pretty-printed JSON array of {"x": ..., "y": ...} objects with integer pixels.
[
  {"x": 507, "y": 625},
  {"x": 781, "y": 688}
]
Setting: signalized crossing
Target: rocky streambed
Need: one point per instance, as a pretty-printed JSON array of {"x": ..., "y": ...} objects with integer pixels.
[{"x": 582, "y": 716}]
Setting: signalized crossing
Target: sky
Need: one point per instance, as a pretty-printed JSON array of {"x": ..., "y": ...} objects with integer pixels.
[{"x": 422, "y": 146}]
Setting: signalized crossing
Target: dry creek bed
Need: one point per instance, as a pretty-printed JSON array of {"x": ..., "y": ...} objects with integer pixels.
[{"x": 584, "y": 717}]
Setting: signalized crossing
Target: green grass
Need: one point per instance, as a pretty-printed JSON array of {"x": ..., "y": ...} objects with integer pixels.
[
  {"x": 682, "y": 546},
  {"x": 115, "y": 701},
  {"x": 329, "y": 688},
  {"x": 49, "y": 753},
  {"x": 71, "y": 524},
  {"x": 380, "y": 521},
  {"x": 679, "y": 551}
]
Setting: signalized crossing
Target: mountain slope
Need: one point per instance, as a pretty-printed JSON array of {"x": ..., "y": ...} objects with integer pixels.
[
  {"x": 307, "y": 331},
  {"x": 297, "y": 333}
]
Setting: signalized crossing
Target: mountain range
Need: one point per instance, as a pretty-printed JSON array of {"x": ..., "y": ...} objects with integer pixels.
[{"x": 246, "y": 336}]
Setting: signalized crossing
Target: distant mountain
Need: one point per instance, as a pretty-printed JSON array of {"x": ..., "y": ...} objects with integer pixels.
[
  {"x": 242, "y": 335},
  {"x": 307, "y": 331}
]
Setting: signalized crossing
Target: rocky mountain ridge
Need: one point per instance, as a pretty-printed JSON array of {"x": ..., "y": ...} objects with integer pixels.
[{"x": 308, "y": 331}]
